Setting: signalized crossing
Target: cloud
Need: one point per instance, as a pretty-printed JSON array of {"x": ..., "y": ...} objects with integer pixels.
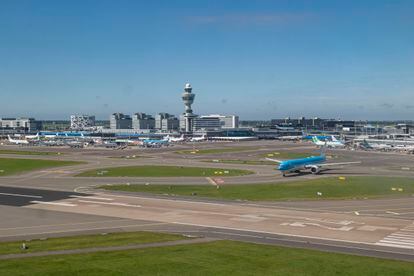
[{"x": 250, "y": 19}]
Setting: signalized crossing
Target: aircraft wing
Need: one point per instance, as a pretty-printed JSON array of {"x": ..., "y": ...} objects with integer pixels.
[
  {"x": 274, "y": 160},
  {"x": 338, "y": 164}
]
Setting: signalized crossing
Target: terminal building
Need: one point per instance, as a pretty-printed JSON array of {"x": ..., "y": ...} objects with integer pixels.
[
  {"x": 166, "y": 122},
  {"x": 142, "y": 121},
  {"x": 82, "y": 122},
  {"x": 313, "y": 123},
  {"x": 120, "y": 121},
  {"x": 20, "y": 124},
  {"x": 215, "y": 122}
]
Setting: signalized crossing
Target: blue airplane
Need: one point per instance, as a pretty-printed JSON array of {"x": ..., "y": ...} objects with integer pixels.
[
  {"x": 155, "y": 142},
  {"x": 312, "y": 163}
]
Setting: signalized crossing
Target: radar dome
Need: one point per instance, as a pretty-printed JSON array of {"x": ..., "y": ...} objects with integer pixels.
[{"x": 187, "y": 85}]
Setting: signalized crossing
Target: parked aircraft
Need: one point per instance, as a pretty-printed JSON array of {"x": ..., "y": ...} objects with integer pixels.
[
  {"x": 312, "y": 163},
  {"x": 18, "y": 141},
  {"x": 31, "y": 137},
  {"x": 334, "y": 143},
  {"x": 155, "y": 142},
  {"x": 198, "y": 139},
  {"x": 174, "y": 139},
  {"x": 291, "y": 138}
]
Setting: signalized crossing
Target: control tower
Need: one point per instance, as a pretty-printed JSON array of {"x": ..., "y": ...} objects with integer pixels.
[{"x": 188, "y": 99}]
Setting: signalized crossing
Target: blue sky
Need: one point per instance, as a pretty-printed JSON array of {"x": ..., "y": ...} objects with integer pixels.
[{"x": 258, "y": 59}]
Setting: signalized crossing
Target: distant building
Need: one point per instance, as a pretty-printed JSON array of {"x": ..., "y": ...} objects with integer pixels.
[
  {"x": 215, "y": 122},
  {"x": 81, "y": 122},
  {"x": 142, "y": 121},
  {"x": 120, "y": 121},
  {"x": 314, "y": 123},
  {"x": 229, "y": 121},
  {"x": 165, "y": 121},
  {"x": 22, "y": 124},
  {"x": 206, "y": 123}
]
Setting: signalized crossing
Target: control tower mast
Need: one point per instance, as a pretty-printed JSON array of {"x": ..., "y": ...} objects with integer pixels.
[{"x": 188, "y": 99}]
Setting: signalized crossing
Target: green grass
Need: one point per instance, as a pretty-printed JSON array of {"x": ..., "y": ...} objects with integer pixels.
[
  {"x": 24, "y": 152},
  {"x": 214, "y": 258},
  {"x": 10, "y": 166},
  {"x": 162, "y": 171},
  {"x": 214, "y": 151},
  {"x": 239, "y": 161},
  {"x": 331, "y": 188},
  {"x": 87, "y": 241}
]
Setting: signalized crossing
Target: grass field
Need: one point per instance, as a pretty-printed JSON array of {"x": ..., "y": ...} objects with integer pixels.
[
  {"x": 331, "y": 188},
  {"x": 238, "y": 161},
  {"x": 215, "y": 258},
  {"x": 87, "y": 241},
  {"x": 25, "y": 152},
  {"x": 10, "y": 166},
  {"x": 214, "y": 151},
  {"x": 162, "y": 171}
]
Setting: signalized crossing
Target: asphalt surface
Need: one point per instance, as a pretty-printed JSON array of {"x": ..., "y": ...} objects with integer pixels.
[{"x": 53, "y": 202}]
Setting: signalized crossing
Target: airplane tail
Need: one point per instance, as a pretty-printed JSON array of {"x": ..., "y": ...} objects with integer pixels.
[
  {"x": 334, "y": 138},
  {"x": 315, "y": 139},
  {"x": 9, "y": 138}
]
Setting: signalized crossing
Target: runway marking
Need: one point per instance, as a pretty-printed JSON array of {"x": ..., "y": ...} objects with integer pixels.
[
  {"x": 91, "y": 229},
  {"x": 110, "y": 203},
  {"x": 403, "y": 238},
  {"x": 280, "y": 234},
  {"x": 91, "y": 197},
  {"x": 304, "y": 224},
  {"x": 211, "y": 181},
  {"x": 53, "y": 203},
  {"x": 62, "y": 224},
  {"x": 392, "y": 206},
  {"x": 21, "y": 195},
  {"x": 171, "y": 200},
  {"x": 392, "y": 213}
]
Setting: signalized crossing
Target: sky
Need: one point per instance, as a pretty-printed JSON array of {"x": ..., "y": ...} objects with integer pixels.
[{"x": 258, "y": 59}]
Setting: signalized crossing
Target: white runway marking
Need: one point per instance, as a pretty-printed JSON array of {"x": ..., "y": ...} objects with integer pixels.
[
  {"x": 110, "y": 203},
  {"x": 20, "y": 195},
  {"x": 92, "y": 197},
  {"x": 403, "y": 238},
  {"x": 53, "y": 203}
]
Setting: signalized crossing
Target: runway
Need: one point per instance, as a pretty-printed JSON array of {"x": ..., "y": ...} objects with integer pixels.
[
  {"x": 53, "y": 202},
  {"x": 241, "y": 221}
]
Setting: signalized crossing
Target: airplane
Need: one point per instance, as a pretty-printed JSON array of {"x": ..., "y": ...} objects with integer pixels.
[
  {"x": 129, "y": 142},
  {"x": 312, "y": 163},
  {"x": 174, "y": 139},
  {"x": 49, "y": 135},
  {"x": 18, "y": 141},
  {"x": 198, "y": 139},
  {"x": 155, "y": 142},
  {"x": 291, "y": 138},
  {"x": 30, "y": 137},
  {"x": 331, "y": 144}
]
